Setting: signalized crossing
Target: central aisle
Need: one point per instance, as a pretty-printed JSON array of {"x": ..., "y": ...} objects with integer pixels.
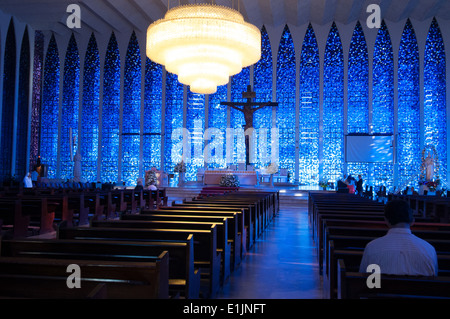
[{"x": 283, "y": 262}]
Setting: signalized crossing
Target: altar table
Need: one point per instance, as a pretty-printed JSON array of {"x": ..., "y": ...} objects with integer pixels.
[{"x": 246, "y": 178}]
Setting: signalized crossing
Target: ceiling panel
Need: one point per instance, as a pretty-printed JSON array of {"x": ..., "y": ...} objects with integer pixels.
[{"x": 102, "y": 15}]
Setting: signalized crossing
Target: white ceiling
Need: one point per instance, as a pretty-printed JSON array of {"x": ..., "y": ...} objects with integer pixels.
[{"x": 102, "y": 16}]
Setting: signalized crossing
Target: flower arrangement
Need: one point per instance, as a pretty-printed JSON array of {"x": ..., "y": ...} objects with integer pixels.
[
  {"x": 432, "y": 185},
  {"x": 272, "y": 168},
  {"x": 229, "y": 180},
  {"x": 180, "y": 167},
  {"x": 323, "y": 184},
  {"x": 150, "y": 177}
]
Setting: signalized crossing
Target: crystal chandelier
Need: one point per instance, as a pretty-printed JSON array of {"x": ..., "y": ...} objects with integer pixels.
[{"x": 204, "y": 44}]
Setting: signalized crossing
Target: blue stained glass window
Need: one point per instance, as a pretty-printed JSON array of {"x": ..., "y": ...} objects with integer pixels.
[
  {"x": 435, "y": 122},
  {"x": 9, "y": 89},
  {"x": 111, "y": 113},
  {"x": 358, "y": 83},
  {"x": 383, "y": 101},
  {"x": 152, "y": 115},
  {"x": 286, "y": 102},
  {"x": 408, "y": 143},
  {"x": 131, "y": 120},
  {"x": 358, "y": 95},
  {"x": 37, "y": 95},
  {"x": 23, "y": 99},
  {"x": 309, "y": 118},
  {"x": 69, "y": 110},
  {"x": 50, "y": 108},
  {"x": 90, "y": 112},
  {"x": 173, "y": 137},
  {"x": 333, "y": 107},
  {"x": 217, "y": 126},
  {"x": 262, "y": 85},
  {"x": 195, "y": 124},
  {"x": 239, "y": 83}
]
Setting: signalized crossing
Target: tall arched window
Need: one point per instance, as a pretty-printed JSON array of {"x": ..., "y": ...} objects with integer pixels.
[
  {"x": 383, "y": 101},
  {"x": 435, "y": 105},
  {"x": 23, "y": 99},
  {"x": 333, "y": 107},
  {"x": 90, "y": 112},
  {"x": 408, "y": 138},
  {"x": 50, "y": 109},
  {"x": 358, "y": 94},
  {"x": 173, "y": 148},
  {"x": 111, "y": 113},
  {"x": 38, "y": 71},
  {"x": 131, "y": 120},
  {"x": 152, "y": 115},
  {"x": 286, "y": 102},
  {"x": 195, "y": 124},
  {"x": 239, "y": 83},
  {"x": 216, "y": 132},
  {"x": 9, "y": 90},
  {"x": 309, "y": 118},
  {"x": 262, "y": 85},
  {"x": 69, "y": 110}
]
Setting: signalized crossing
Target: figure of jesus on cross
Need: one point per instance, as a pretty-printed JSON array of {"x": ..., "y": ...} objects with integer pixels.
[{"x": 248, "y": 108}]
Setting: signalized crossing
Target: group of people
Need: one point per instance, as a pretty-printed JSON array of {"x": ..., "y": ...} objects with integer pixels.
[
  {"x": 30, "y": 180},
  {"x": 350, "y": 184},
  {"x": 399, "y": 252}
]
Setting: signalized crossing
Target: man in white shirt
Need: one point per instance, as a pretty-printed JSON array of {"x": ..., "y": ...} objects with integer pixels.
[{"x": 400, "y": 252}]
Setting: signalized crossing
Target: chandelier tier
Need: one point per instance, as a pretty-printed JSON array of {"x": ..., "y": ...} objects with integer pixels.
[{"x": 204, "y": 44}]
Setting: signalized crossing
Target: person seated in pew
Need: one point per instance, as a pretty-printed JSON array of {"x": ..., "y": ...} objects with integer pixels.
[
  {"x": 27, "y": 182},
  {"x": 400, "y": 252},
  {"x": 152, "y": 186},
  {"x": 139, "y": 185}
]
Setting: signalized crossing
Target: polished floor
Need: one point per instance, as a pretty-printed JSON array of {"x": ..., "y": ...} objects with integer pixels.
[{"x": 282, "y": 264}]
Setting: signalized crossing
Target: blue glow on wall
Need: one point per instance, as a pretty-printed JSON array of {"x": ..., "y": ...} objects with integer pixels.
[
  {"x": 152, "y": 115},
  {"x": 408, "y": 140},
  {"x": 435, "y": 103},
  {"x": 69, "y": 110},
  {"x": 309, "y": 117},
  {"x": 8, "y": 99},
  {"x": 90, "y": 112},
  {"x": 131, "y": 119},
  {"x": 262, "y": 86},
  {"x": 383, "y": 101},
  {"x": 333, "y": 108},
  {"x": 173, "y": 148},
  {"x": 195, "y": 124},
  {"x": 217, "y": 126},
  {"x": 23, "y": 106},
  {"x": 239, "y": 83},
  {"x": 286, "y": 102},
  {"x": 50, "y": 109},
  {"x": 111, "y": 113},
  {"x": 358, "y": 95}
]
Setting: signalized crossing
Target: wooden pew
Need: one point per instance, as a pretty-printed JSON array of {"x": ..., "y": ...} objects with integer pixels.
[
  {"x": 249, "y": 216},
  {"x": 184, "y": 277},
  {"x": 234, "y": 236},
  {"x": 12, "y": 217},
  {"x": 206, "y": 256},
  {"x": 32, "y": 211},
  {"x": 353, "y": 285},
  {"x": 33, "y": 287},
  {"x": 222, "y": 245},
  {"x": 123, "y": 280}
]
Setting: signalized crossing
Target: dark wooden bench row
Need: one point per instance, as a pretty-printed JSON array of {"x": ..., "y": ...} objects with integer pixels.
[{"x": 39, "y": 269}]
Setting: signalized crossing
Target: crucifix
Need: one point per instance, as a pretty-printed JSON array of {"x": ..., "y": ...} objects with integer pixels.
[{"x": 248, "y": 108}]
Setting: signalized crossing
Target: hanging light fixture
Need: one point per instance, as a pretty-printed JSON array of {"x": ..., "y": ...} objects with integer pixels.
[{"x": 204, "y": 44}]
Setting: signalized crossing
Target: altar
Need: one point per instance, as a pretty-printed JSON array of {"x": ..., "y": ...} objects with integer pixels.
[{"x": 246, "y": 178}]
